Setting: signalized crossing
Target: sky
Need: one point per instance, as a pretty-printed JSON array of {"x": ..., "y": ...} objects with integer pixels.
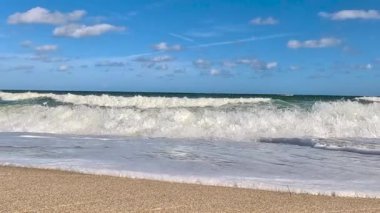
[{"x": 325, "y": 47}]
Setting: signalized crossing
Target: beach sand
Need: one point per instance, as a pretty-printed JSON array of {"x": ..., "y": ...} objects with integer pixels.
[{"x": 35, "y": 190}]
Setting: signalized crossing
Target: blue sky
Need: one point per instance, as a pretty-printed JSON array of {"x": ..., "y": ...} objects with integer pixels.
[{"x": 224, "y": 46}]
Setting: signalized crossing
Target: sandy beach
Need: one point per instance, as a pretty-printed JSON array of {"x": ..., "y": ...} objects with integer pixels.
[{"x": 35, "y": 190}]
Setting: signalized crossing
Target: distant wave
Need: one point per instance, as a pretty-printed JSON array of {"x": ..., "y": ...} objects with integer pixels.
[
  {"x": 135, "y": 101},
  {"x": 368, "y": 99}
]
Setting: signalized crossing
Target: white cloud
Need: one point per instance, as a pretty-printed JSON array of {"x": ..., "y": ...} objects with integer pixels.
[
  {"x": 46, "y": 48},
  {"x": 228, "y": 64},
  {"x": 264, "y": 21},
  {"x": 368, "y": 66},
  {"x": 321, "y": 43},
  {"x": 351, "y": 14},
  {"x": 206, "y": 67},
  {"x": 162, "y": 67},
  {"x": 294, "y": 44},
  {"x": 214, "y": 72},
  {"x": 162, "y": 58},
  {"x": 244, "y": 61},
  {"x": 39, "y": 15},
  {"x": 47, "y": 59},
  {"x": 151, "y": 61},
  {"x": 39, "y": 49},
  {"x": 257, "y": 64},
  {"x": 110, "y": 64},
  {"x": 271, "y": 65},
  {"x": 27, "y": 44},
  {"x": 78, "y": 31},
  {"x": 163, "y": 46},
  {"x": 156, "y": 62},
  {"x": 346, "y": 68},
  {"x": 294, "y": 67},
  {"x": 202, "y": 63},
  {"x": 63, "y": 67}
]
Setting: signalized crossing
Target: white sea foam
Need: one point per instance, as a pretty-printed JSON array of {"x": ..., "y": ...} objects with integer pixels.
[
  {"x": 33, "y": 136},
  {"x": 369, "y": 99},
  {"x": 277, "y": 185},
  {"x": 342, "y": 119},
  {"x": 248, "y": 165},
  {"x": 336, "y": 150},
  {"x": 354, "y": 145},
  {"x": 135, "y": 101}
]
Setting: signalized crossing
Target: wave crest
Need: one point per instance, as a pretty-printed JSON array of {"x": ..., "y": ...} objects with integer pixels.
[
  {"x": 134, "y": 101},
  {"x": 340, "y": 119},
  {"x": 369, "y": 99}
]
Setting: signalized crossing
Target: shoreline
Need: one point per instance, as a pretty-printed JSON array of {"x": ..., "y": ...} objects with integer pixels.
[
  {"x": 166, "y": 179},
  {"x": 47, "y": 190}
]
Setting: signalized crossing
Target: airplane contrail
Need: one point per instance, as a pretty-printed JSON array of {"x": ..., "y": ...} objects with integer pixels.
[
  {"x": 222, "y": 43},
  {"x": 245, "y": 40},
  {"x": 181, "y": 37},
  {"x": 141, "y": 54}
]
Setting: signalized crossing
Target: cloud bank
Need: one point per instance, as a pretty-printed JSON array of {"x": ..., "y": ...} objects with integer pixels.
[
  {"x": 79, "y": 31},
  {"x": 202, "y": 63},
  {"x": 264, "y": 21},
  {"x": 258, "y": 65},
  {"x": 39, "y": 15},
  {"x": 351, "y": 14},
  {"x": 46, "y": 48},
  {"x": 163, "y": 46},
  {"x": 321, "y": 43}
]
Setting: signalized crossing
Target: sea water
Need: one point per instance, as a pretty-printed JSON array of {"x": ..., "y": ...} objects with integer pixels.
[{"x": 313, "y": 144}]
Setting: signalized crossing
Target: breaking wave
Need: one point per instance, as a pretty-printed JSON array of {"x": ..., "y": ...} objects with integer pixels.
[
  {"x": 241, "y": 119},
  {"x": 229, "y": 141},
  {"x": 134, "y": 101},
  {"x": 369, "y": 99}
]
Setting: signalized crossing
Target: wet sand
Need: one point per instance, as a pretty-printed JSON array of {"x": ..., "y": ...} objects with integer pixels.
[{"x": 35, "y": 190}]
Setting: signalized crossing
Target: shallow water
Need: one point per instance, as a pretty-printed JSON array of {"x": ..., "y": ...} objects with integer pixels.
[{"x": 258, "y": 165}]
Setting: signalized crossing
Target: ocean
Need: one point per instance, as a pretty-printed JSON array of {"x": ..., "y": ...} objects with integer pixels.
[{"x": 310, "y": 144}]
